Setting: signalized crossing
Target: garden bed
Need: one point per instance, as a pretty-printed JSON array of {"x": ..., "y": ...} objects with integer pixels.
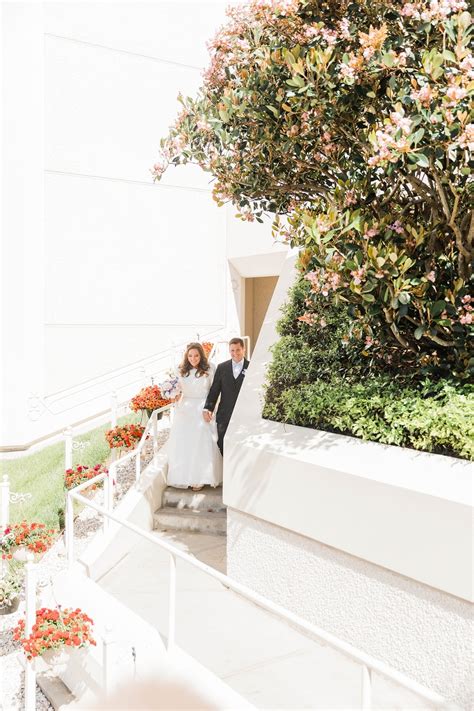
[{"x": 315, "y": 381}]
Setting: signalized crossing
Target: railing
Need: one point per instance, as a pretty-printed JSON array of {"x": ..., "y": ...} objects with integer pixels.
[
  {"x": 142, "y": 375},
  {"x": 8, "y": 497},
  {"x": 139, "y": 372},
  {"x": 31, "y": 568},
  {"x": 31, "y": 581},
  {"x": 111, "y": 477},
  {"x": 368, "y": 664}
]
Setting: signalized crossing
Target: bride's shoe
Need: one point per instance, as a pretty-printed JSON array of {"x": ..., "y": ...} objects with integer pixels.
[{"x": 197, "y": 488}]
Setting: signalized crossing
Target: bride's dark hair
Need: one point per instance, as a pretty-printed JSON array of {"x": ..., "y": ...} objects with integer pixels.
[{"x": 203, "y": 365}]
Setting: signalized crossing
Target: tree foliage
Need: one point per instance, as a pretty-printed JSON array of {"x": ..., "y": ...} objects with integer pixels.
[{"x": 352, "y": 123}]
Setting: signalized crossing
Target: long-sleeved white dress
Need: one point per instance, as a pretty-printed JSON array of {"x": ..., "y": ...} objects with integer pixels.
[{"x": 193, "y": 456}]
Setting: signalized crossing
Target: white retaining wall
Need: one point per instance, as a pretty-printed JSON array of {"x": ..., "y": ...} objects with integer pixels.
[{"x": 373, "y": 543}]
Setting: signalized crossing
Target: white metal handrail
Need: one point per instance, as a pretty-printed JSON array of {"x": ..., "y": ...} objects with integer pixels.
[
  {"x": 111, "y": 476},
  {"x": 128, "y": 368},
  {"x": 368, "y": 663},
  {"x": 151, "y": 366}
]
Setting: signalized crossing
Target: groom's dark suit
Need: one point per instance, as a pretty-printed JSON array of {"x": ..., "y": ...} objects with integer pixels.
[{"x": 228, "y": 387}]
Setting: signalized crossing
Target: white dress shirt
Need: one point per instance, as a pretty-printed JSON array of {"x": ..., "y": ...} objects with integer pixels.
[{"x": 237, "y": 368}]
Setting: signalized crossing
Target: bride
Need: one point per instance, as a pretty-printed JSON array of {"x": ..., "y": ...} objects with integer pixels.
[{"x": 193, "y": 456}]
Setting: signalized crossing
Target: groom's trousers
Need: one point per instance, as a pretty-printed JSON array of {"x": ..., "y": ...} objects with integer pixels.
[{"x": 221, "y": 430}]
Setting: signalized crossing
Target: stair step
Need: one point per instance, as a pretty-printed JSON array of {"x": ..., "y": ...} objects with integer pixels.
[
  {"x": 208, "y": 499},
  {"x": 170, "y": 517}
]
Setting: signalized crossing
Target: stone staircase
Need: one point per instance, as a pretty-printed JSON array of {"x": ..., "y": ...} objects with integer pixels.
[{"x": 195, "y": 511}]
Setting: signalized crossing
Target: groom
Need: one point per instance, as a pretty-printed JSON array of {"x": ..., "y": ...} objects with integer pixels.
[{"x": 227, "y": 382}]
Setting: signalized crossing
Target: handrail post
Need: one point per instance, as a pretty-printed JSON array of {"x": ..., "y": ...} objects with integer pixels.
[
  {"x": 113, "y": 409},
  {"x": 5, "y": 502},
  {"x": 155, "y": 433},
  {"x": 172, "y": 604},
  {"x": 138, "y": 466},
  {"x": 70, "y": 530},
  {"x": 112, "y": 475},
  {"x": 68, "y": 448},
  {"x": 106, "y": 641},
  {"x": 366, "y": 700},
  {"x": 30, "y": 610},
  {"x": 105, "y": 519}
]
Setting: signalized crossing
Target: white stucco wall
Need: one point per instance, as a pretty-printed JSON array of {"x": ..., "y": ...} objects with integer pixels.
[
  {"x": 101, "y": 267},
  {"x": 373, "y": 543},
  {"x": 418, "y": 630}
]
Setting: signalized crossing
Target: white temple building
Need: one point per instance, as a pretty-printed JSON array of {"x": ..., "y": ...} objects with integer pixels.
[{"x": 103, "y": 271}]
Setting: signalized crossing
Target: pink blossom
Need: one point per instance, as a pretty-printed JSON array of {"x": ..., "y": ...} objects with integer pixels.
[
  {"x": 344, "y": 28},
  {"x": 431, "y": 276},
  {"x": 401, "y": 122},
  {"x": 358, "y": 275},
  {"x": 371, "y": 232},
  {"x": 349, "y": 198},
  {"x": 247, "y": 214},
  {"x": 455, "y": 94},
  {"x": 410, "y": 10},
  {"x": 466, "y": 138},
  {"x": 466, "y": 318},
  {"x": 397, "y": 227},
  {"x": 467, "y": 66},
  {"x": 158, "y": 170},
  {"x": 347, "y": 71},
  {"x": 424, "y": 95},
  {"x": 466, "y": 299},
  {"x": 330, "y": 36}
]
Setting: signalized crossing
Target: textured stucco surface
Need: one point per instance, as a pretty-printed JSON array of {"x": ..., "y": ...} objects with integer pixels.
[{"x": 425, "y": 633}]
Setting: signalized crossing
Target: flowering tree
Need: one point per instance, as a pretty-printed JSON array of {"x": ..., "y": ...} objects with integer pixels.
[{"x": 352, "y": 123}]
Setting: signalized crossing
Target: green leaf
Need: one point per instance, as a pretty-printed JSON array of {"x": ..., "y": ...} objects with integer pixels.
[
  {"x": 406, "y": 265},
  {"x": 450, "y": 56},
  {"x": 421, "y": 160},
  {"x": 273, "y": 109},
  {"x": 387, "y": 59},
  {"x": 419, "y": 332},
  {"x": 417, "y": 136},
  {"x": 437, "y": 308},
  {"x": 404, "y": 297}
]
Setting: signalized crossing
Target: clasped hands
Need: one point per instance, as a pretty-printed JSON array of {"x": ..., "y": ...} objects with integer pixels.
[{"x": 207, "y": 415}]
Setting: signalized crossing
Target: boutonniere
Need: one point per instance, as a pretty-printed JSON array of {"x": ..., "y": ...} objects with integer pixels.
[{"x": 244, "y": 370}]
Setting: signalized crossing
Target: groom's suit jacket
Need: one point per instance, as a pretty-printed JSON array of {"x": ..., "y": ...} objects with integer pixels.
[{"x": 228, "y": 387}]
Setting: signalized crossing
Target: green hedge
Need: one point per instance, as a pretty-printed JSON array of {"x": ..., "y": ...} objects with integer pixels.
[{"x": 315, "y": 381}]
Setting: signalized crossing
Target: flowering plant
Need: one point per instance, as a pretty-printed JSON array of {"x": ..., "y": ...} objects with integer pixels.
[
  {"x": 82, "y": 473},
  {"x": 124, "y": 436},
  {"x": 34, "y": 536},
  {"x": 10, "y": 584},
  {"x": 170, "y": 388},
  {"x": 364, "y": 111},
  {"x": 149, "y": 398},
  {"x": 53, "y": 629},
  {"x": 207, "y": 347}
]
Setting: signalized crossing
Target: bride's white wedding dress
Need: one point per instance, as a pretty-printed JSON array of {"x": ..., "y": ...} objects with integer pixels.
[{"x": 193, "y": 456}]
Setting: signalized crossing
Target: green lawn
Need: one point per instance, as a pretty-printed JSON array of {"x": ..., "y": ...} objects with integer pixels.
[{"x": 42, "y": 474}]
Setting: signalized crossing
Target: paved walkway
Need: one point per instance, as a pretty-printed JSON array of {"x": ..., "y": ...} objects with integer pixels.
[{"x": 266, "y": 661}]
